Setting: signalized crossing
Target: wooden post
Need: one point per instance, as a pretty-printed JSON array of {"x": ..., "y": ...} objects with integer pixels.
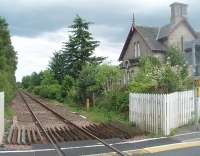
[
  {"x": 93, "y": 99},
  {"x": 87, "y": 104}
]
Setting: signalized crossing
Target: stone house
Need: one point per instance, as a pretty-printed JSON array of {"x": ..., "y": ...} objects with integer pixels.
[{"x": 145, "y": 40}]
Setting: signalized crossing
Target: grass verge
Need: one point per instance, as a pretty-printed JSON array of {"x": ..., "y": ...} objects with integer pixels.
[
  {"x": 96, "y": 114},
  {"x": 9, "y": 112}
]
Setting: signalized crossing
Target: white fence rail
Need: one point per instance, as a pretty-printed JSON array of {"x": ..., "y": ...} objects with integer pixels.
[
  {"x": 1, "y": 116},
  {"x": 160, "y": 113}
]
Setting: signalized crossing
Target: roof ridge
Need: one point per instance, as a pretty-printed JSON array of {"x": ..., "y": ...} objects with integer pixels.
[
  {"x": 147, "y": 26},
  {"x": 158, "y": 33}
]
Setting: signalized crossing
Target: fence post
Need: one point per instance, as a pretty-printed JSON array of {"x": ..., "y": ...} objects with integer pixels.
[
  {"x": 87, "y": 104},
  {"x": 1, "y": 116}
]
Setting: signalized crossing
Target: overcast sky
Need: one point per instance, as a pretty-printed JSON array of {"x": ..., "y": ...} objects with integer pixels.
[{"x": 38, "y": 27}]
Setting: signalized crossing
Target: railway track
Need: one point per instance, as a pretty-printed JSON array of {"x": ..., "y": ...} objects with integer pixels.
[{"x": 63, "y": 130}]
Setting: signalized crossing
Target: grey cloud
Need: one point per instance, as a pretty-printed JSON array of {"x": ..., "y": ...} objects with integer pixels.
[{"x": 27, "y": 18}]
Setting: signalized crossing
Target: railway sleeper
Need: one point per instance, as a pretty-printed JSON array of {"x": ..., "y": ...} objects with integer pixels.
[
  {"x": 74, "y": 136},
  {"x": 39, "y": 135},
  {"x": 10, "y": 135},
  {"x": 105, "y": 131},
  {"x": 61, "y": 133},
  {"x": 59, "y": 138},
  {"x": 19, "y": 136},
  {"x": 34, "y": 135},
  {"x": 126, "y": 134},
  {"x": 67, "y": 136},
  {"x": 29, "y": 136},
  {"x": 14, "y": 137},
  {"x": 98, "y": 131},
  {"x": 113, "y": 131},
  {"x": 90, "y": 131},
  {"x": 82, "y": 135},
  {"x": 52, "y": 135},
  {"x": 76, "y": 133}
]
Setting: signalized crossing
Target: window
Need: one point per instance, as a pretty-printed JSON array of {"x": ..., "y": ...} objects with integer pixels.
[
  {"x": 126, "y": 64},
  {"x": 138, "y": 49},
  {"x": 135, "y": 50},
  {"x": 182, "y": 42}
]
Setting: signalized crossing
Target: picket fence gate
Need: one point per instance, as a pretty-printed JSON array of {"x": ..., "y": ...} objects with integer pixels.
[{"x": 160, "y": 113}]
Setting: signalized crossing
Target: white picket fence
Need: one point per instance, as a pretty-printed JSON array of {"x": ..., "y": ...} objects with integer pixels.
[{"x": 160, "y": 113}]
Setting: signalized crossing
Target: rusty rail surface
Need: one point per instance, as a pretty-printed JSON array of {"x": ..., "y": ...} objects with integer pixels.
[
  {"x": 38, "y": 123},
  {"x": 87, "y": 131}
]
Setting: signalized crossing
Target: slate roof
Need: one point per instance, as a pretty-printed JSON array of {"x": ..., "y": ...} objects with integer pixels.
[
  {"x": 164, "y": 31},
  {"x": 149, "y": 34},
  {"x": 153, "y": 35}
]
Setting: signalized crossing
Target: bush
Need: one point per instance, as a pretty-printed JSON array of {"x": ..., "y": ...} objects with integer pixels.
[
  {"x": 154, "y": 77},
  {"x": 114, "y": 101},
  {"x": 49, "y": 91}
]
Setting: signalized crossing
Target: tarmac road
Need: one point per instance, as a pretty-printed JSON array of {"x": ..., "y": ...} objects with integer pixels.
[{"x": 93, "y": 147}]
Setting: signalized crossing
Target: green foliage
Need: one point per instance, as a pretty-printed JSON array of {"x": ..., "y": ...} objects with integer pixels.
[
  {"x": 175, "y": 57},
  {"x": 92, "y": 80},
  {"x": 107, "y": 72},
  {"x": 57, "y": 67},
  {"x": 154, "y": 77},
  {"x": 26, "y": 82},
  {"x": 43, "y": 84},
  {"x": 116, "y": 100},
  {"x": 67, "y": 85},
  {"x": 8, "y": 62},
  {"x": 75, "y": 74},
  {"x": 86, "y": 83},
  {"x": 49, "y": 91},
  {"x": 76, "y": 53}
]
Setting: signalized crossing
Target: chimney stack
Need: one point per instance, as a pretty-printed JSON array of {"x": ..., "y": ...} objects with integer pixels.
[{"x": 178, "y": 12}]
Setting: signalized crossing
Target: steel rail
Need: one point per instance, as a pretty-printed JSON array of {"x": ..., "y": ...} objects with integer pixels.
[
  {"x": 74, "y": 125},
  {"x": 37, "y": 122}
]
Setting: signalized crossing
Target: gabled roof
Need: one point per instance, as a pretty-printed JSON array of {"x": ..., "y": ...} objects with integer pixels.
[
  {"x": 167, "y": 29},
  {"x": 153, "y": 35},
  {"x": 149, "y": 34}
]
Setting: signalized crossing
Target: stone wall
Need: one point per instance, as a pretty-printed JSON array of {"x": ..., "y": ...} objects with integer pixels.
[
  {"x": 181, "y": 31},
  {"x": 144, "y": 49}
]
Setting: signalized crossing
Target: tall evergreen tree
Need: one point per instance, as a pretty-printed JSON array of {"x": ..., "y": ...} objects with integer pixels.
[
  {"x": 8, "y": 61},
  {"x": 56, "y": 66},
  {"x": 80, "y": 48}
]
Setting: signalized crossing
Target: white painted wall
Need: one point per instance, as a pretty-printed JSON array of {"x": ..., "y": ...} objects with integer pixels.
[{"x": 1, "y": 116}]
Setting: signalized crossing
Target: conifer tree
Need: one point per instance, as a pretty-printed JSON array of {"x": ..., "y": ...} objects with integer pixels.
[{"x": 79, "y": 50}]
